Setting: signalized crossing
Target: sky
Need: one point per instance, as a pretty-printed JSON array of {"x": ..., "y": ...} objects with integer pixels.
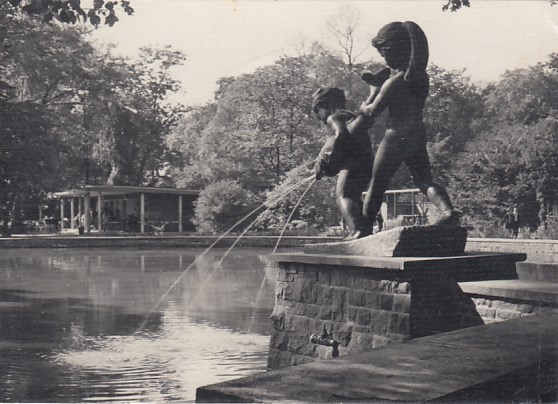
[{"x": 229, "y": 37}]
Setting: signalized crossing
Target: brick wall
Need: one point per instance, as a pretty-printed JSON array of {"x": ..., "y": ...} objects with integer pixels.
[
  {"x": 358, "y": 310},
  {"x": 362, "y": 303},
  {"x": 361, "y": 309},
  {"x": 493, "y": 309}
]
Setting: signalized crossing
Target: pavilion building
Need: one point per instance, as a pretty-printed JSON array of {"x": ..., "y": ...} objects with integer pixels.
[{"x": 128, "y": 208}]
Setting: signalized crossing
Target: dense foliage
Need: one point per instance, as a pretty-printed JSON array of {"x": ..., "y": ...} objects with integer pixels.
[
  {"x": 72, "y": 114},
  {"x": 70, "y": 11},
  {"x": 494, "y": 147},
  {"x": 513, "y": 159},
  {"x": 261, "y": 129}
]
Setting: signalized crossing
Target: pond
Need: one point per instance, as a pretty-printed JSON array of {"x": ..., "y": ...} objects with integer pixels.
[{"x": 71, "y": 322}]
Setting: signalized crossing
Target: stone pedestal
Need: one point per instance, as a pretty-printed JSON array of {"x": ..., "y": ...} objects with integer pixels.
[
  {"x": 405, "y": 241},
  {"x": 367, "y": 302}
]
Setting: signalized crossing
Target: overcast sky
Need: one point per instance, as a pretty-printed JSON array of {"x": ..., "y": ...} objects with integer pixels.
[{"x": 230, "y": 37}]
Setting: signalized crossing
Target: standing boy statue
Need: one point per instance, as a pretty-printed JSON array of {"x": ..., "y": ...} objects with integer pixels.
[{"x": 404, "y": 47}]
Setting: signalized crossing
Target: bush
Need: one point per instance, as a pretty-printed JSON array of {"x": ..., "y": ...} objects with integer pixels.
[
  {"x": 221, "y": 205},
  {"x": 549, "y": 230}
]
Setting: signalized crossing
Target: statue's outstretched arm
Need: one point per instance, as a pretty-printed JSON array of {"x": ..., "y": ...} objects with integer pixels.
[
  {"x": 375, "y": 81},
  {"x": 380, "y": 102}
]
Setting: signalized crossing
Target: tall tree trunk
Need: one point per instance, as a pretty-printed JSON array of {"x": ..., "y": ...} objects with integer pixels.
[{"x": 114, "y": 173}]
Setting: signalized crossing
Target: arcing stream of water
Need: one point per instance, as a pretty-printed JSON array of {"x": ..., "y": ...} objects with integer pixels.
[{"x": 268, "y": 206}]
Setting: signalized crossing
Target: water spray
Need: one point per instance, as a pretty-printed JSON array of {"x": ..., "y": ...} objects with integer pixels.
[{"x": 271, "y": 203}]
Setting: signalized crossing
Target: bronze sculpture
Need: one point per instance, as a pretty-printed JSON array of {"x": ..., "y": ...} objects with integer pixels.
[
  {"x": 405, "y": 49},
  {"x": 348, "y": 152}
]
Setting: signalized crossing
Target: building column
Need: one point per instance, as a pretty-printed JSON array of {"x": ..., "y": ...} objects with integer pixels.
[
  {"x": 61, "y": 214},
  {"x": 180, "y": 213},
  {"x": 72, "y": 213},
  {"x": 142, "y": 213},
  {"x": 87, "y": 209},
  {"x": 79, "y": 209},
  {"x": 99, "y": 211}
]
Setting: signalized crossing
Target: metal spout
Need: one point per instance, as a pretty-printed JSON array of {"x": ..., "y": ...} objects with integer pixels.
[{"x": 325, "y": 339}]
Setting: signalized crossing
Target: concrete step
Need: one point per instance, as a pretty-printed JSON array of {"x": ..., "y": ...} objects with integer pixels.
[
  {"x": 510, "y": 361},
  {"x": 532, "y": 291},
  {"x": 537, "y": 271}
]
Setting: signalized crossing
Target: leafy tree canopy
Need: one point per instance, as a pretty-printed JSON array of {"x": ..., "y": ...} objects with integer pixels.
[
  {"x": 96, "y": 118},
  {"x": 512, "y": 160},
  {"x": 70, "y": 11},
  {"x": 455, "y": 5}
]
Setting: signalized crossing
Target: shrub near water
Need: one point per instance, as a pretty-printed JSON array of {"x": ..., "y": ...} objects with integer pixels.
[
  {"x": 549, "y": 230},
  {"x": 221, "y": 205}
]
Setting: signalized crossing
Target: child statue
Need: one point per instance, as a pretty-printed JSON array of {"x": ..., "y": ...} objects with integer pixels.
[
  {"x": 404, "y": 47},
  {"x": 347, "y": 153}
]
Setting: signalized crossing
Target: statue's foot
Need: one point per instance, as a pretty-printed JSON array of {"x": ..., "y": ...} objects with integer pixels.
[
  {"x": 356, "y": 234},
  {"x": 449, "y": 218},
  {"x": 377, "y": 79}
]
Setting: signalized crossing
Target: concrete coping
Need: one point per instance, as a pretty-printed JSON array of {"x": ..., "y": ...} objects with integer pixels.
[
  {"x": 478, "y": 363},
  {"x": 532, "y": 291},
  {"x": 466, "y": 261}
]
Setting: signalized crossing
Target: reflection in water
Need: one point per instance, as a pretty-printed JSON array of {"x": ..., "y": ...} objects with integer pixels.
[{"x": 69, "y": 323}]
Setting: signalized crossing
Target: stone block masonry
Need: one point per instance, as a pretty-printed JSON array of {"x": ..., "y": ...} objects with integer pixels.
[
  {"x": 364, "y": 303},
  {"x": 494, "y": 310},
  {"x": 358, "y": 311}
]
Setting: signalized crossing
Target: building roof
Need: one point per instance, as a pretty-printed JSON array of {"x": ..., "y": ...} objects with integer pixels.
[
  {"x": 94, "y": 190},
  {"x": 402, "y": 191}
]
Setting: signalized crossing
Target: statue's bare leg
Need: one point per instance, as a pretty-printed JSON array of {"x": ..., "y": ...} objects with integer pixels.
[
  {"x": 419, "y": 166},
  {"x": 388, "y": 159},
  {"x": 350, "y": 185}
]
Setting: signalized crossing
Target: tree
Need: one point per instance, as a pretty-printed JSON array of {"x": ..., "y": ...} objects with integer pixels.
[
  {"x": 92, "y": 113},
  {"x": 35, "y": 130},
  {"x": 454, "y": 5},
  {"x": 489, "y": 176},
  {"x": 140, "y": 117},
  {"x": 452, "y": 110},
  {"x": 69, "y": 11},
  {"x": 529, "y": 95},
  {"x": 29, "y": 159},
  {"x": 342, "y": 27},
  {"x": 513, "y": 160},
  {"x": 260, "y": 130}
]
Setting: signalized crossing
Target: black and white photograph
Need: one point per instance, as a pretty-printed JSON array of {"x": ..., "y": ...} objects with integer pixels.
[{"x": 346, "y": 201}]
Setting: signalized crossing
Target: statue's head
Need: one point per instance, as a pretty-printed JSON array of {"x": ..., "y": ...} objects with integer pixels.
[
  {"x": 404, "y": 46},
  {"x": 328, "y": 99}
]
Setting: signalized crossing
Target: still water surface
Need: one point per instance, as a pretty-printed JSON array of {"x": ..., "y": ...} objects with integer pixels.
[{"x": 69, "y": 322}]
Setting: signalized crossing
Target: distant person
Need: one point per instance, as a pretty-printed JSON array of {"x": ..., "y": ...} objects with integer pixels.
[
  {"x": 81, "y": 224},
  {"x": 511, "y": 222},
  {"x": 105, "y": 219},
  {"x": 380, "y": 221}
]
